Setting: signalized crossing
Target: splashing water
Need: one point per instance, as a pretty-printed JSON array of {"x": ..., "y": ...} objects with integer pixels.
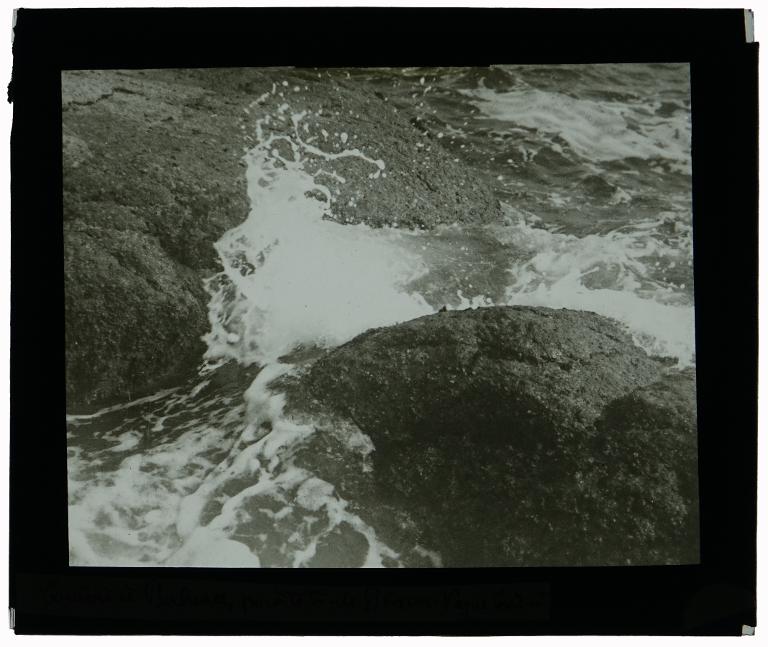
[
  {"x": 214, "y": 473},
  {"x": 214, "y": 489},
  {"x": 597, "y": 131},
  {"x": 291, "y": 275},
  {"x": 294, "y": 278},
  {"x": 620, "y": 275}
]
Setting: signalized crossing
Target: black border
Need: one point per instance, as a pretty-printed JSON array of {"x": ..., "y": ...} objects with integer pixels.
[{"x": 713, "y": 598}]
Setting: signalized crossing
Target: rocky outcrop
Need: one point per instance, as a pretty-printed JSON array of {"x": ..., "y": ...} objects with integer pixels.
[
  {"x": 129, "y": 313},
  {"x": 649, "y": 470},
  {"x": 552, "y": 370},
  {"x": 153, "y": 175},
  {"x": 520, "y": 436}
]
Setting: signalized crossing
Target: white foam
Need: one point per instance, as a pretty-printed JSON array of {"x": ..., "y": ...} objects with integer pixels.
[
  {"x": 129, "y": 440},
  {"x": 595, "y": 130},
  {"x": 211, "y": 548},
  {"x": 660, "y": 319},
  {"x": 314, "y": 493},
  {"x": 293, "y": 277},
  {"x": 75, "y": 418},
  {"x": 127, "y": 515},
  {"x": 298, "y": 277},
  {"x": 660, "y": 329}
]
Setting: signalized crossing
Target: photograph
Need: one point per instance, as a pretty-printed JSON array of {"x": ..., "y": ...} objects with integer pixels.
[{"x": 380, "y": 317}]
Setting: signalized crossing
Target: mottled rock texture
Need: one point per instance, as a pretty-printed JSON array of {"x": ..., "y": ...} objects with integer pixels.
[
  {"x": 649, "y": 470},
  {"x": 520, "y": 436},
  {"x": 154, "y": 174}
]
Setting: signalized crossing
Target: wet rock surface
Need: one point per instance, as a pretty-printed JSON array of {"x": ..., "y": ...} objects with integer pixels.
[
  {"x": 154, "y": 174},
  {"x": 519, "y": 436}
]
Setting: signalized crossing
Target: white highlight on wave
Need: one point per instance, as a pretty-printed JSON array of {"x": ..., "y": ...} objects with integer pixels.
[
  {"x": 609, "y": 274},
  {"x": 181, "y": 501},
  {"x": 291, "y": 275},
  {"x": 266, "y": 466},
  {"x": 597, "y": 131},
  {"x": 126, "y": 515}
]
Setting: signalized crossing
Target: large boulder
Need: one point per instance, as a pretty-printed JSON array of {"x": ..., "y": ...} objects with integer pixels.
[
  {"x": 546, "y": 374},
  {"x": 153, "y": 175},
  {"x": 128, "y": 307},
  {"x": 648, "y": 471},
  {"x": 519, "y": 436}
]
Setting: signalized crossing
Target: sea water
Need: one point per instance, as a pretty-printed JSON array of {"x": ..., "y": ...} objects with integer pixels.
[{"x": 592, "y": 167}]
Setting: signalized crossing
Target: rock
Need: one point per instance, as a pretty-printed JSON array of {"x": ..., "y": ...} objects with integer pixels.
[
  {"x": 153, "y": 160},
  {"x": 157, "y": 160},
  {"x": 336, "y": 454},
  {"x": 498, "y": 430},
  {"x": 649, "y": 466},
  {"x": 128, "y": 308},
  {"x": 554, "y": 370}
]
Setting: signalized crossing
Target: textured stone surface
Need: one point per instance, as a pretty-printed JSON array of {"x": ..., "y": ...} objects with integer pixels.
[
  {"x": 521, "y": 436},
  {"x": 129, "y": 309},
  {"x": 544, "y": 373},
  {"x": 649, "y": 469},
  {"x": 154, "y": 175}
]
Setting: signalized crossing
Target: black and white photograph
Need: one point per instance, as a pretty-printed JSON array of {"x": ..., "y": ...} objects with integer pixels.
[{"x": 421, "y": 317}]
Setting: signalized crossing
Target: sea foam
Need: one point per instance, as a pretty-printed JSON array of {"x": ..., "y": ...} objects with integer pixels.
[
  {"x": 597, "y": 131},
  {"x": 294, "y": 277}
]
